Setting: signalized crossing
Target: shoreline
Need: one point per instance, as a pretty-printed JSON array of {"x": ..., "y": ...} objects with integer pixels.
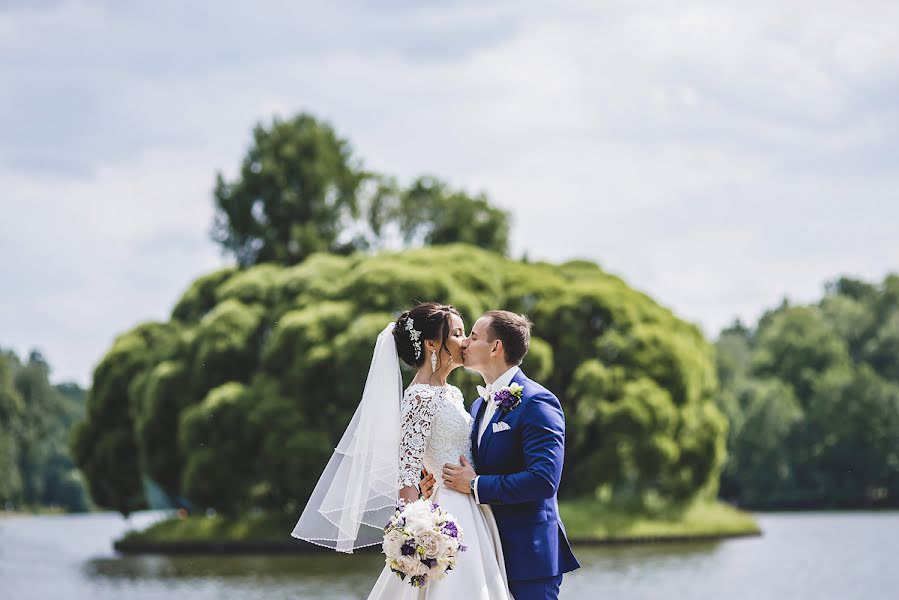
[{"x": 587, "y": 523}]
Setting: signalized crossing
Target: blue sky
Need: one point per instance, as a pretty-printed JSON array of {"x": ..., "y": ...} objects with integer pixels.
[{"x": 718, "y": 155}]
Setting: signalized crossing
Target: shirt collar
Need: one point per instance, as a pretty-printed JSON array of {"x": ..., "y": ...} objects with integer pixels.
[{"x": 506, "y": 378}]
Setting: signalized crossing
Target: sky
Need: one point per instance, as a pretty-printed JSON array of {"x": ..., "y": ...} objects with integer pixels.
[{"x": 719, "y": 156}]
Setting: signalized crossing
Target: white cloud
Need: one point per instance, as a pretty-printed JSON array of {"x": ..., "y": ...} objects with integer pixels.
[{"x": 718, "y": 155}]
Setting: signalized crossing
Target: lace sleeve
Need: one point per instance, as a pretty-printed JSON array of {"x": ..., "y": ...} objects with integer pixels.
[{"x": 417, "y": 411}]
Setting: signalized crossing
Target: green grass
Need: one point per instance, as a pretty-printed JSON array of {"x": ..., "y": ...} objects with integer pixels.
[
  {"x": 584, "y": 519},
  {"x": 35, "y": 510},
  {"x": 587, "y": 519},
  {"x": 260, "y": 526}
]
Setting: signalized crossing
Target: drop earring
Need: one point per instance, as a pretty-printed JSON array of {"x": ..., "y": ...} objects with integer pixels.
[{"x": 433, "y": 362}]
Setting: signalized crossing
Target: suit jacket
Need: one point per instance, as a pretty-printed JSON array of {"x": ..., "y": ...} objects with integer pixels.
[{"x": 519, "y": 471}]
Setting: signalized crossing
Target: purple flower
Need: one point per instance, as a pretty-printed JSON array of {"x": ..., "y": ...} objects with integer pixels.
[
  {"x": 508, "y": 397},
  {"x": 450, "y": 529},
  {"x": 462, "y": 548},
  {"x": 408, "y": 549},
  {"x": 429, "y": 562},
  {"x": 506, "y": 400}
]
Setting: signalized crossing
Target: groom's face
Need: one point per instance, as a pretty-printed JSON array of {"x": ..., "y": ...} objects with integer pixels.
[{"x": 477, "y": 349}]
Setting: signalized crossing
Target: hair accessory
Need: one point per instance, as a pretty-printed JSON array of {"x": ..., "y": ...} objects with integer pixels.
[{"x": 415, "y": 336}]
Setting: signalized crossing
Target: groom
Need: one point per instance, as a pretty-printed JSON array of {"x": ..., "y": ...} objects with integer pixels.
[{"x": 518, "y": 447}]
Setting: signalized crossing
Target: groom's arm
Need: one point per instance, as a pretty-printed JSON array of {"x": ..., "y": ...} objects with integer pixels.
[{"x": 543, "y": 443}]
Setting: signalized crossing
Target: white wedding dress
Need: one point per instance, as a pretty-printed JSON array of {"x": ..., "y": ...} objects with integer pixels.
[{"x": 436, "y": 430}]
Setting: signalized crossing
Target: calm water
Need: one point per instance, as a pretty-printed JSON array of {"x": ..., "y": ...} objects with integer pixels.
[{"x": 811, "y": 555}]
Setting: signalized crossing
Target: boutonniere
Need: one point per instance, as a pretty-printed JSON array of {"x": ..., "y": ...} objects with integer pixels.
[{"x": 508, "y": 397}]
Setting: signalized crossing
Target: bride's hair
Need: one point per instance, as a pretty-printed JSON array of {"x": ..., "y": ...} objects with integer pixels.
[{"x": 432, "y": 322}]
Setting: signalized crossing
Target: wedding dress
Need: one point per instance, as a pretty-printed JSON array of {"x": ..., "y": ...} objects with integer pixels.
[
  {"x": 436, "y": 430},
  {"x": 390, "y": 437}
]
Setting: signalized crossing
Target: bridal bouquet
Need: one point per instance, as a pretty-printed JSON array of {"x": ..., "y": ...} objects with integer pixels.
[{"x": 421, "y": 542}]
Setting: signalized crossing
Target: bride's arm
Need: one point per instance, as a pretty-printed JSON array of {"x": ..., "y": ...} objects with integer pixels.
[{"x": 417, "y": 412}]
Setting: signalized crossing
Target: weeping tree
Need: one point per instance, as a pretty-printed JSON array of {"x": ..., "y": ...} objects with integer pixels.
[{"x": 239, "y": 399}]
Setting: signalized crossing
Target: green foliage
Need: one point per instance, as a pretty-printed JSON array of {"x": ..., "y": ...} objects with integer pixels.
[
  {"x": 432, "y": 214},
  {"x": 300, "y": 192},
  {"x": 105, "y": 446},
  {"x": 239, "y": 401},
  {"x": 585, "y": 519},
  {"x": 812, "y": 396},
  {"x": 297, "y": 188},
  {"x": 35, "y": 419}
]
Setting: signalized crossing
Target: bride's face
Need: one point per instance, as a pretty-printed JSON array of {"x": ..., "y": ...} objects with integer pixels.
[{"x": 454, "y": 340}]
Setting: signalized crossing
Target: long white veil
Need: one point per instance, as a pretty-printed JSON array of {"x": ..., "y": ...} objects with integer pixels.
[{"x": 359, "y": 489}]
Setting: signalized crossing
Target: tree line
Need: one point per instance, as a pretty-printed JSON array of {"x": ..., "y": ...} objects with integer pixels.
[
  {"x": 812, "y": 396},
  {"x": 36, "y": 469}
]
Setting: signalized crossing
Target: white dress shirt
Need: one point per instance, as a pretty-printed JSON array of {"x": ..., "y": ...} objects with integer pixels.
[{"x": 501, "y": 382}]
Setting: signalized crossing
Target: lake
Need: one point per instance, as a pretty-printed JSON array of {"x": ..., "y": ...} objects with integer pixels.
[{"x": 842, "y": 556}]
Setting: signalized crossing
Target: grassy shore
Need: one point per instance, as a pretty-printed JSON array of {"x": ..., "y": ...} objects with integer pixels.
[
  {"x": 585, "y": 521},
  {"x": 34, "y": 511},
  {"x": 588, "y": 520}
]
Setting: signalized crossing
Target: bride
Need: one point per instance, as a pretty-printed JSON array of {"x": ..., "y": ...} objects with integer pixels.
[{"x": 392, "y": 436}]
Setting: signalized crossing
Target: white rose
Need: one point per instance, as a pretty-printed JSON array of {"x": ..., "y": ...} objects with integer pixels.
[
  {"x": 392, "y": 543},
  {"x": 411, "y": 565},
  {"x": 418, "y": 514},
  {"x": 447, "y": 545},
  {"x": 436, "y": 572},
  {"x": 431, "y": 541}
]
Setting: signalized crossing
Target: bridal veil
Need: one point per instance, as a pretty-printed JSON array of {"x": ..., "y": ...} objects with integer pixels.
[{"x": 359, "y": 488}]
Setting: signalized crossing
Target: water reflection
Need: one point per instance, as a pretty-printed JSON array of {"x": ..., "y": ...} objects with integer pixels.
[
  {"x": 276, "y": 567},
  {"x": 820, "y": 556}
]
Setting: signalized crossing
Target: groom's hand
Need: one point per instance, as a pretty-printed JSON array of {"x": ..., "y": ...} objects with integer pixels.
[{"x": 457, "y": 477}]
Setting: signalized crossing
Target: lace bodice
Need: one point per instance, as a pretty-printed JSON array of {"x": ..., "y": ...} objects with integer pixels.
[{"x": 436, "y": 429}]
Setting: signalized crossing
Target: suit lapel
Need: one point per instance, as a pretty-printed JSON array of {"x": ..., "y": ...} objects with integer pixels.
[
  {"x": 478, "y": 411},
  {"x": 498, "y": 414},
  {"x": 488, "y": 432}
]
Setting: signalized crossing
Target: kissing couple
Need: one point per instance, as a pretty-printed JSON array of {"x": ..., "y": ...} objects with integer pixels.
[{"x": 495, "y": 468}]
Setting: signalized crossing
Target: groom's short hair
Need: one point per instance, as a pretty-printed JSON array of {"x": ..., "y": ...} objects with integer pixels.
[{"x": 513, "y": 330}]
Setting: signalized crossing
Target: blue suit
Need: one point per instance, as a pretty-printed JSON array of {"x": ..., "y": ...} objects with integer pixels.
[{"x": 519, "y": 470}]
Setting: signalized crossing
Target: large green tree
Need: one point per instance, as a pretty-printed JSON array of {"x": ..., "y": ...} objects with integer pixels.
[{"x": 239, "y": 400}]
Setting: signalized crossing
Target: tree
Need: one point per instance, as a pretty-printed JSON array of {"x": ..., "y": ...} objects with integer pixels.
[
  {"x": 12, "y": 407},
  {"x": 35, "y": 419},
  {"x": 104, "y": 444},
  {"x": 239, "y": 400},
  {"x": 812, "y": 395},
  {"x": 430, "y": 213},
  {"x": 301, "y": 191},
  {"x": 295, "y": 194}
]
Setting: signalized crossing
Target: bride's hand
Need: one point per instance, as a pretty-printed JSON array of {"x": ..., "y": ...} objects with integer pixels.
[{"x": 427, "y": 484}]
